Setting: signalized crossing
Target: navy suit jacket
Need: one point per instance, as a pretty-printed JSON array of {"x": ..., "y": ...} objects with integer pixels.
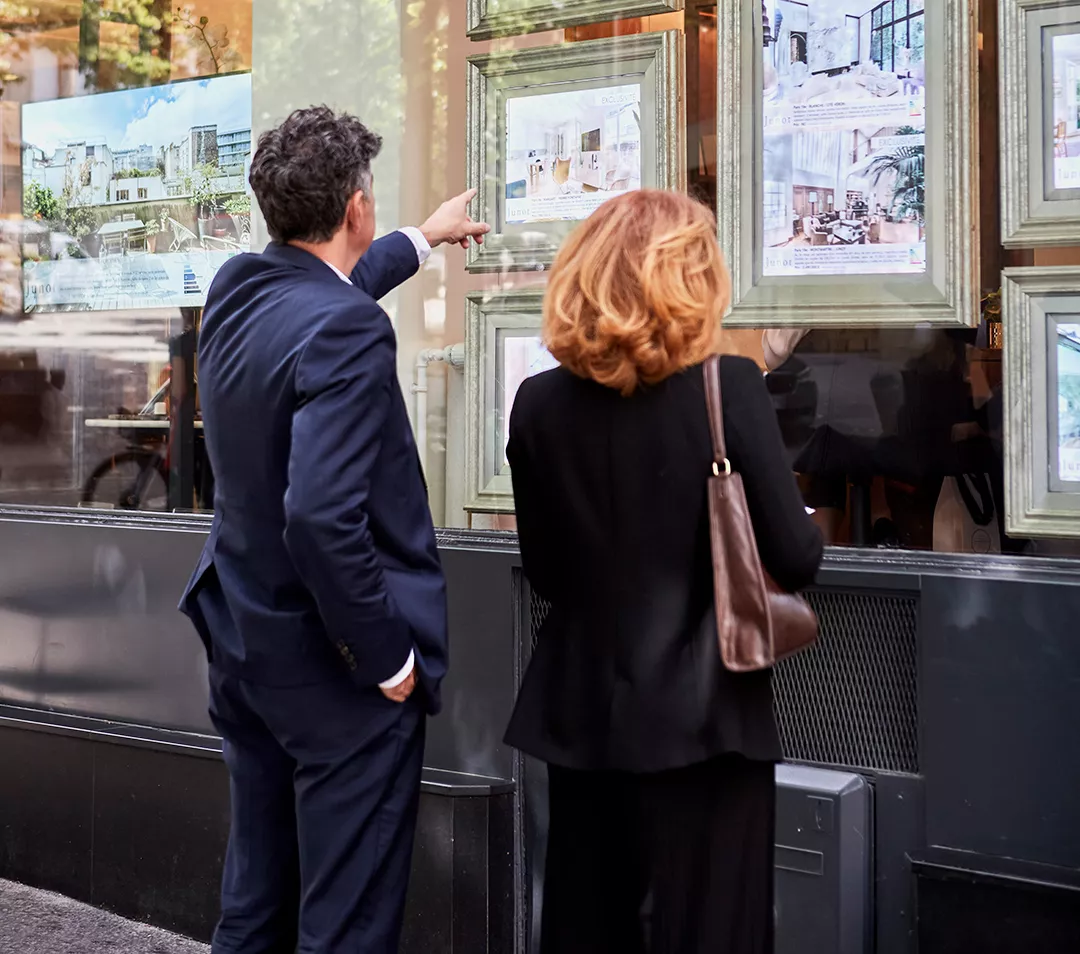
[{"x": 322, "y": 552}]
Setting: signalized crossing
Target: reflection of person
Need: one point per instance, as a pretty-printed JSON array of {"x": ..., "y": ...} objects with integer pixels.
[
  {"x": 660, "y": 760},
  {"x": 319, "y": 594},
  {"x": 779, "y": 343}
]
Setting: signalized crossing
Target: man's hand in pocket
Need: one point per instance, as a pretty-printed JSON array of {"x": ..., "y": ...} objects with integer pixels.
[{"x": 402, "y": 690}]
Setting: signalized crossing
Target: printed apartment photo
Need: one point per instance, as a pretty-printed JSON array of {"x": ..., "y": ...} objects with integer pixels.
[
  {"x": 568, "y": 152},
  {"x": 522, "y": 357},
  {"x": 1065, "y": 135},
  {"x": 1068, "y": 399},
  {"x": 844, "y": 137},
  {"x": 139, "y": 196}
]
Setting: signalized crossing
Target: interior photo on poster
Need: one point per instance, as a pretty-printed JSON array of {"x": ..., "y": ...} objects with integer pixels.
[
  {"x": 137, "y": 197},
  {"x": 844, "y": 164},
  {"x": 522, "y": 357},
  {"x": 1065, "y": 60},
  {"x": 568, "y": 152},
  {"x": 1068, "y": 397}
]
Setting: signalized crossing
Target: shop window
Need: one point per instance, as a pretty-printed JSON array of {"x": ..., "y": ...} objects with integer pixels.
[
  {"x": 895, "y": 434},
  {"x": 103, "y": 277}
]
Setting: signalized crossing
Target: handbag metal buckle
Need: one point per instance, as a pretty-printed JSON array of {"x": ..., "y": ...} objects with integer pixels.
[{"x": 727, "y": 468}]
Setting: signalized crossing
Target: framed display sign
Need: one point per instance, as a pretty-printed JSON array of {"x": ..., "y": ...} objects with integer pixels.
[
  {"x": 502, "y": 348},
  {"x": 556, "y": 131},
  {"x": 488, "y": 18},
  {"x": 1041, "y": 358},
  {"x": 1040, "y": 122},
  {"x": 845, "y": 184}
]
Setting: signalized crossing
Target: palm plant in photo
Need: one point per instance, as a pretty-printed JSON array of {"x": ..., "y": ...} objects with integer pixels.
[{"x": 908, "y": 167}]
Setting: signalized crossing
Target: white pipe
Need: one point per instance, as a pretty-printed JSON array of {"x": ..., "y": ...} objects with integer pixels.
[{"x": 453, "y": 356}]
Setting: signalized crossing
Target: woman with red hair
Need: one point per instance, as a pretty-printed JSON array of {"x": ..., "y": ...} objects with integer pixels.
[{"x": 660, "y": 760}]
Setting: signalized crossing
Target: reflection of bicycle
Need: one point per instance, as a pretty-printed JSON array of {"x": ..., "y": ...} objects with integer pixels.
[
  {"x": 138, "y": 477},
  {"x": 134, "y": 479}
]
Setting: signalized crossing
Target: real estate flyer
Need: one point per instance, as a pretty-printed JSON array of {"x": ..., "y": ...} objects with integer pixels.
[
  {"x": 1068, "y": 398},
  {"x": 568, "y": 152},
  {"x": 1064, "y": 138},
  {"x": 135, "y": 198},
  {"x": 844, "y": 109},
  {"x": 522, "y": 357}
]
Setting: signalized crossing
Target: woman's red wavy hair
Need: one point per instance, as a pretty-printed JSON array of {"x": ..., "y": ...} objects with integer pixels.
[{"x": 637, "y": 291}]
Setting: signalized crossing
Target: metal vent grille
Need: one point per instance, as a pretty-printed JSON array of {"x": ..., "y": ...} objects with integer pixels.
[
  {"x": 538, "y": 611},
  {"x": 851, "y": 700}
]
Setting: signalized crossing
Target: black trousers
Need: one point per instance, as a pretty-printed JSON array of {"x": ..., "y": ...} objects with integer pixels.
[{"x": 677, "y": 862}]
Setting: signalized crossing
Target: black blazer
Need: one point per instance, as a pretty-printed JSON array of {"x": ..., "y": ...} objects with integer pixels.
[{"x": 614, "y": 529}]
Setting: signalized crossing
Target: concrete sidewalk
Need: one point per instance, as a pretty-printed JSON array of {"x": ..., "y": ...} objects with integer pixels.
[{"x": 38, "y": 922}]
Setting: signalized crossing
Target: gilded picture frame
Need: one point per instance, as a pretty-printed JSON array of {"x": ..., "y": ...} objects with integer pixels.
[
  {"x": 942, "y": 218},
  {"x": 496, "y": 324},
  {"x": 491, "y": 18},
  {"x": 1041, "y": 317},
  {"x": 1040, "y": 199},
  {"x": 647, "y": 66}
]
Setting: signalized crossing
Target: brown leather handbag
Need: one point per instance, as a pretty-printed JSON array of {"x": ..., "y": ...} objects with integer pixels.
[{"x": 757, "y": 623}]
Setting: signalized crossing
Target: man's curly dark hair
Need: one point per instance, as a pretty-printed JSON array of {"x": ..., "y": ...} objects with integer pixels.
[{"x": 306, "y": 170}]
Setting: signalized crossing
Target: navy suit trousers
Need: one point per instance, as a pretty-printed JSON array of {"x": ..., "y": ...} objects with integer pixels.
[{"x": 325, "y": 783}]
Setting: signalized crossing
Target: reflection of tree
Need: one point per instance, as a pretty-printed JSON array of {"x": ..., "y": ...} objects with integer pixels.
[
  {"x": 427, "y": 77},
  {"x": 124, "y": 44},
  {"x": 130, "y": 43},
  {"x": 908, "y": 165},
  {"x": 215, "y": 52},
  {"x": 369, "y": 83}
]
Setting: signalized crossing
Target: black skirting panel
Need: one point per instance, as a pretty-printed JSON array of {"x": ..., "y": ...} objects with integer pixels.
[
  {"x": 972, "y": 904},
  {"x": 138, "y": 826}
]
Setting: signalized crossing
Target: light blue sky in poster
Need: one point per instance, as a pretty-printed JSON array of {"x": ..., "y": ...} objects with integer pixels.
[{"x": 154, "y": 116}]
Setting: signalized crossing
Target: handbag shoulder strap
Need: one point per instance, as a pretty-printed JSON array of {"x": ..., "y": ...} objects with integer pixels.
[{"x": 714, "y": 402}]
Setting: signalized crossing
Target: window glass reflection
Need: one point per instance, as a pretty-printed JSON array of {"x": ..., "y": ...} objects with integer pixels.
[{"x": 127, "y": 134}]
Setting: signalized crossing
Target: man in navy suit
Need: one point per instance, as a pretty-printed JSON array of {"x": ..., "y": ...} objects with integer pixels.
[{"x": 319, "y": 594}]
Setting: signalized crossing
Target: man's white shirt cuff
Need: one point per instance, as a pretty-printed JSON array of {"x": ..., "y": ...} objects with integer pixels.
[
  {"x": 414, "y": 235},
  {"x": 403, "y": 674}
]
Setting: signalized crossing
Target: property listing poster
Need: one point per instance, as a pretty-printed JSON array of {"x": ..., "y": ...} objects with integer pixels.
[
  {"x": 522, "y": 357},
  {"x": 569, "y": 152},
  {"x": 844, "y": 109},
  {"x": 1064, "y": 138},
  {"x": 135, "y": 198},
  {"x": 1068, "y": 396}
]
